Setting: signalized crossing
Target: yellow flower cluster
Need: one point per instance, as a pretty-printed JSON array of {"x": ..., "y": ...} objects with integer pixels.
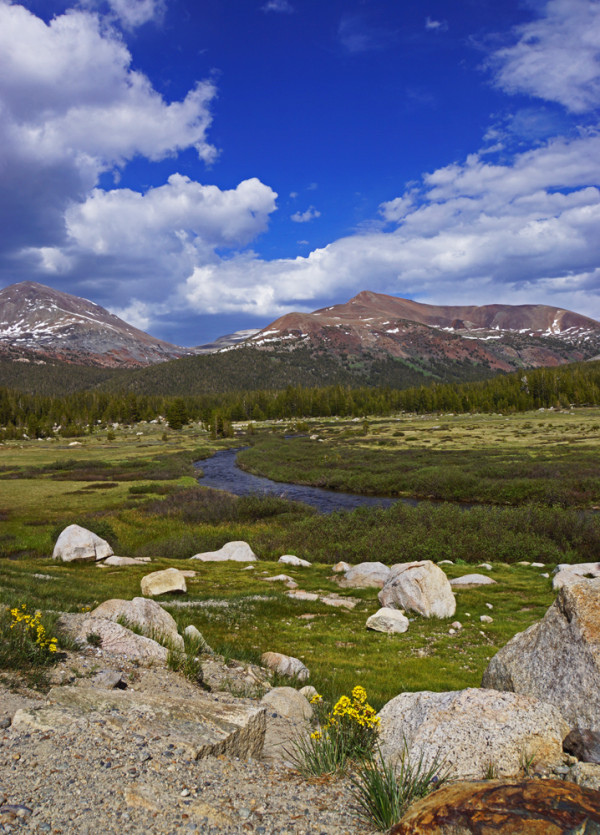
[
  {"x": 357, "y": 709},
  {"x": 33, "y": 627}
]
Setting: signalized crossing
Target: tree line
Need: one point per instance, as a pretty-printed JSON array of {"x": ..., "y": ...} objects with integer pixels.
[{"x": 79, "y": 412}]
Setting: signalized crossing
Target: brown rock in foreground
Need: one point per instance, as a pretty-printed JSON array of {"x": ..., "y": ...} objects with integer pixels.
[{"x": 519, "y": 807}]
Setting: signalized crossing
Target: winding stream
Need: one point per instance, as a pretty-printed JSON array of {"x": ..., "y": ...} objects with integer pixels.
[{"x": 222, "y": 473}]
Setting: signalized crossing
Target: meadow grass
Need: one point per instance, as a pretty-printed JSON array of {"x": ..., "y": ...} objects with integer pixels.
[{"x": 237, "y": 610}]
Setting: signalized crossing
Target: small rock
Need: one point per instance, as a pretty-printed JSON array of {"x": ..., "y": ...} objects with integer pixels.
[
  {"x": 470, "y": 581},
  {"x": 456, "y": 624},
  {"x": 387, "y": 620},
  {"x": 290, "y": 559},
  {"x": 486, "y": 619},
  {"x": 538, "y": 564},
  {"x": 283, "y": 578},
  {"x": 341, "y": 567},
  {"x": 237, "y": 551},
  {"x": 163, "y": 582},
  {"x": 285, "y": 665},
  {"x": 489, "y": 605}
]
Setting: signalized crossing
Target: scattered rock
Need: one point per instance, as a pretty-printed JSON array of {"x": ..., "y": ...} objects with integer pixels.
[
  {"x": 388, "y": 620},
  {"x": 303, "y": 595},
  {"x": 557, "y": 659},
  {"x": 308, "y": 691},
  {"x": 419, "y": 587},
  {"x": 283, "y": 578},
  {"x": 365, "y": 575},
  {"x": 237, "y": 551},
  {"x": 290, "y": 559},
  {"x": 488, "y": 566},
  {"x": 285, "y": 665},
  {"x": 538, "y": 564},
  {"x": 518, "y": 807},
  {"x": 446, "y": 562},
  {"x": 341, "y": 567},
  {"x": 472, "y": 731},
  {"x": 77, "y": 544},
  {"x": 112, "y": 637},
  {"x": 147, "y": 615},
  {"x": 486, "y": 619},
  {"x": 288, "y": 715},
  {"x": 163, "y": 582},
  {"x": 471, "y": 581},
  {"x": 586, "y": 775},
  {"x": 456, "y": 624},
  {"x": 122, "y": 561},
  {"x": 339, "y": 602}
]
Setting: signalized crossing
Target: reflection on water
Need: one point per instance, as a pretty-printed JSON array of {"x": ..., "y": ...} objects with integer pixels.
[{"x": 221, "y": 472}]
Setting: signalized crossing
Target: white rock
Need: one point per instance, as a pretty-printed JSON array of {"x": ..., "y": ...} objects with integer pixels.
[
  {"x": 121, "y": 561},
  {"x": 420, "y": 587},
  {"x": 545, "y": 574},
  {"x": 388, "y": 620},
  {"x": 77, "y": 544},
  {"x": 452, "y": 632},
  {"x": 285, "y": 665},
  {"x": 472, "y": 729},
  {"x": 485, "y": 565},
  {"x": 365, "y": 575},
  {"x": 471, "y": 581},
  {"x": 309, "y": 692},
  {"x": 283, "y": 578},
  {"x": 456, "y": 624},
  {"x": 302, "y": 595},
  {"x": 339, "y": 602},
  {"x": 486, "y": 619},
  {"x": 341, "y": 567},
  {"x": 162, "y": 582},
  {"x": 237, "y": 551},
  {"x": 446, "y": 562},
  {"x": 489, "y": 605},
  {"x": 147, "y": 615},
  {"x": 523, "y": 562},
  {"x": 538, "y": 564},
  {"x": 290, "y": 559}
]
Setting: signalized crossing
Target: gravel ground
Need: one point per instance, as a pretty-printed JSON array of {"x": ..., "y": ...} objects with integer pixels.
[{"x": 92, "y": 779}]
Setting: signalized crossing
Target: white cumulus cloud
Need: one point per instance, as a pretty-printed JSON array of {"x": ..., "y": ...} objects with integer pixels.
[{"x": 556, "y": 57}]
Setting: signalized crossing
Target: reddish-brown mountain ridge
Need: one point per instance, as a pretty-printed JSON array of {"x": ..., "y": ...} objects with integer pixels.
[
  {"x": 56, "y": 325},
  {"x": 502, "y": 337}
]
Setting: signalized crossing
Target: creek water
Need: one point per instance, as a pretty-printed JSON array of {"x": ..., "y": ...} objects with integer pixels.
[{"x": 222, "y": 473}]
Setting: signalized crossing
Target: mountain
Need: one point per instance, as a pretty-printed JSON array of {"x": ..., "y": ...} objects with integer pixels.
[
  {"x": 38, "y": 324},
  {"x": 377, "y": 326}
]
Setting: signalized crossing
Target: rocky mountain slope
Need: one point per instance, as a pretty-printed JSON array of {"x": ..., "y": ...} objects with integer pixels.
[
  {"x": 59, "y": 326},
  {"x": 499, "y": 337}
]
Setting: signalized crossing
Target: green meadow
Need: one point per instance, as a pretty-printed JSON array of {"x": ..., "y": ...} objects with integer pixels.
[{"x": 140, "y": 493}]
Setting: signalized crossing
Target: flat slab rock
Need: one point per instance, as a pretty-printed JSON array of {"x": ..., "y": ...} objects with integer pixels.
[
  {"x": 236, "y": 551},
  {"x": 207, "y": 725},
  {"x": 520, "y": 807},
  {"x": 470, "y": 581},
  {"x": 113, "y": 638}
]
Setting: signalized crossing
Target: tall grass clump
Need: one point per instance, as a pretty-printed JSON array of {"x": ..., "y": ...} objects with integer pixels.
[
  {"x": 347, "y": 733},
  {"x": 385, "y": 792}
]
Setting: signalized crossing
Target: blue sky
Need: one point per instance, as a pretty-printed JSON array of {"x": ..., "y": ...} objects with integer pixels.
[{"x": 200, "y": 167}]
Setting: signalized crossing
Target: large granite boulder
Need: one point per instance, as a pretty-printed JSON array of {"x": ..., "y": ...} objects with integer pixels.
[
  {"x": 365, "y": 575},
  {"x": 288, "y": 715},
  {"x": 87, "y": 630},
  {"x": 145, "y": 614},
  {"x": 237, "y": 551},
  {"x": 419, "y": 587},
  {"x": 77, "y": 544},
  {"x": 163, "y": 582},
  {"x": 472, "y": 731},
  {"x": 285, "y": 665},
  {"x": 565, "y": 573},
  {"x": 557, "y": 659},
  {"x": 518, "y": 807},
  {"x": 389, "y": 621}
]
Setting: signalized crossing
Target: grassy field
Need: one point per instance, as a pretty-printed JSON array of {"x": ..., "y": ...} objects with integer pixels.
[{"x": 139, "y": 492}]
